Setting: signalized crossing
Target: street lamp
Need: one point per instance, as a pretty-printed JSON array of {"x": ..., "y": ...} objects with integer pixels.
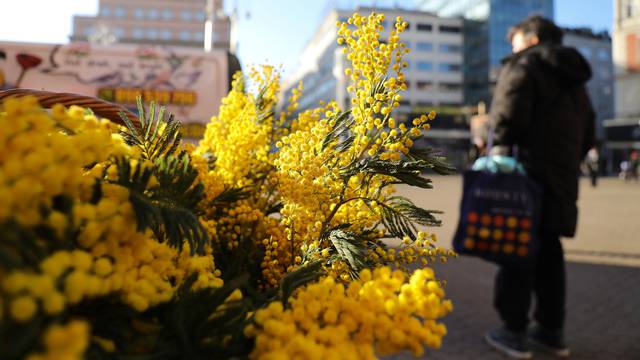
[{"x": 208, "y": 27}]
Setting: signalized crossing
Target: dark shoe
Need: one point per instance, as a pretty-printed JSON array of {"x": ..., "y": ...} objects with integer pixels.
[
  {"x": 509, "y": 343},
  {"x": 550, "y": 342}
]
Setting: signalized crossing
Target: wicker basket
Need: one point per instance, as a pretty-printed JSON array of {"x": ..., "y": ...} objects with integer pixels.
[{"x": 47, "y": 99}]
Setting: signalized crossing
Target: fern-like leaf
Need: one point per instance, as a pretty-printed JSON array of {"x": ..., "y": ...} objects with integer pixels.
[
  {"x": 203, "y": 324},
  {"x": 433, "y": 160},
  {"x": 349, "y": 248},
  {"x": 342, "y": 124},
  {"x": 155, "y": 134},
  {"x": 400, "y": 216},
  {"x": 169, "y": 208},
  {"x": 299, "y": 277},
  {"x": 408, "y": 172}
]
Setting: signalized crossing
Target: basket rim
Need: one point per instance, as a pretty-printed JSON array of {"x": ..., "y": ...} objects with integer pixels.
[{"x": 47, "y": 99}]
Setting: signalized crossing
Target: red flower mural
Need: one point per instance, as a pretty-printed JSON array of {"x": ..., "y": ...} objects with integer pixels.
[{"x": 26, "y": 62}]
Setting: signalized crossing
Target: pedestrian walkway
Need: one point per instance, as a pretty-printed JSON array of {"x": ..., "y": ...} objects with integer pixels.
[
  {"x": 602, "y": 321},
  {"x": 603, "y": 270}
]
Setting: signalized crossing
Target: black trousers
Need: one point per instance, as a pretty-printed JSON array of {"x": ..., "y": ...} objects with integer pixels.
[{"x": 546, "y": 281}]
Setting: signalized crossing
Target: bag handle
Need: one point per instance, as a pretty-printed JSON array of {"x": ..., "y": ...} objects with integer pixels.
[{"x": 491, "y": 133}]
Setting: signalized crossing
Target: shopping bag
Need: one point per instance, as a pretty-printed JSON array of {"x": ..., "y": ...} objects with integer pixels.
[{"x": 499, "y": 213}]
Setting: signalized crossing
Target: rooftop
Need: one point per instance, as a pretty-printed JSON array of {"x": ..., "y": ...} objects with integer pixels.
[{"x": 587, "y": 32}]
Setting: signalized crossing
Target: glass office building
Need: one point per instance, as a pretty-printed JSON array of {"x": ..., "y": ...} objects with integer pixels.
[{"x": 486, "y": 23}]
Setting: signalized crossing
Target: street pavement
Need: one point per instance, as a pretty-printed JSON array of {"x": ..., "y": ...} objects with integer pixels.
[{"x": 603, "y": 271}]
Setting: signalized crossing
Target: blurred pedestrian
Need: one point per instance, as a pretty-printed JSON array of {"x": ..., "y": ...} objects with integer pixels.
[
  {"x": 634, "y": 164},
  {"x": 478, "y": 127},
  {"x": 593, "y": 165},
  {"x": 540, "y": 106}
]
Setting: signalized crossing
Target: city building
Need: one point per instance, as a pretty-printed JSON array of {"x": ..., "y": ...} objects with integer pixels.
[
  {"x": 623, "y": 131},
  {"x": 434, "y": 73},
  {"x": 596, "y": 48},
  {"x": 168, "y": 22},
  {"x": 486, "y": 23}
]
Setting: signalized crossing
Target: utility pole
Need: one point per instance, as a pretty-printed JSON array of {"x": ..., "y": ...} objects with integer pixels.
[
  {"x": 233, "y": 41},
  {"x": 209, "y": 26}
]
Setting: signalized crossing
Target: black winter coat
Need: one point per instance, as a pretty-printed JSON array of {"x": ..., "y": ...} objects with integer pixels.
[{"x": 541, "y": 105}]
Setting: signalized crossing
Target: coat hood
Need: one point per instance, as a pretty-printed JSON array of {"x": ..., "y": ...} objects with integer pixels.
[{"x": 566, "y": 62}]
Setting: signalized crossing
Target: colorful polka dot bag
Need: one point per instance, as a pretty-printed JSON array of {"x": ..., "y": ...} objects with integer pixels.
[{"x": 499, "y": 217}]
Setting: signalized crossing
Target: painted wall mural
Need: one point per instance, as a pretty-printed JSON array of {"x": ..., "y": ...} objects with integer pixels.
[{"x": 189, "y": 82}]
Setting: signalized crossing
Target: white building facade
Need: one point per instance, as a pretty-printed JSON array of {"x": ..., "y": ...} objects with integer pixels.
[
  {"x": 434, "y": 74},
  {"x": 623, "y": 131},
  {"x": 626, "y": 57}
]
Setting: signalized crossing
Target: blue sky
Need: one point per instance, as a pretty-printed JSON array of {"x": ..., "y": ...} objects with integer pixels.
[{"x": 274, "y": 32}]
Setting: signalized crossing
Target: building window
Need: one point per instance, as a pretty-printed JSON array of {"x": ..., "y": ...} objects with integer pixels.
[
  {"x": 424, "y": 46},
  {"x": 603, "y": 54},
  {"x": 152, "y": 34},
  {"x": 119, "y": 12},
  {"x": 424, "y": 85},
  {"x": 138, "y": 33},
  {"x": 138, "y": 13},
  {"x": 118, "y": 32},
  {"x": 446, "y": 87},
  {"x": 629, "y": 8},
  {"x": 585, "y": 51},
  {"x": 449, "y": 29},
  {"x": 447, "y": 67},
  {"x": 200, "y": 16},
  {"x": 605, "y": 73},
  {"x": 185, "y": 35},
  {"x": 424, "y": 65},
  {"x": 424, "y": 27},
  {"x": 153, "y": 14},
  {"x": 198, "y": 36},
  {"x": 186, "y": 15},
  {"x": 105, "y": 11},
  {"x": 88, "y": 31},
  {"x": 167, "y": 14},
  {"x": 166, "y": 34},
  {"x": 450, "y": 48}
]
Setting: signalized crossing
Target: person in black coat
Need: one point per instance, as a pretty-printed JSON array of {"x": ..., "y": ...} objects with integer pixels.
[{"x": 541, "y": 107}]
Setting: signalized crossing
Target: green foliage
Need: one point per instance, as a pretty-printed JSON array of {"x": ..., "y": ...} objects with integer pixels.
[
  {"x": 167, "y": 209},
  {"x": 400, "y": 216},
  {"x": 349, "y": 248},
  {"x": 22, "y": 246},
  {"x": 199, "y": 323},
  {"x": 153, "y": 134},
  {"x": 299, "y": 277},
  {"x": 19, "y": 247},
  {"x": 341, "y": 132},
  {"x": 407, "y": 172},
  {"x": 227, "y": 197},
  {"x": 265, "y": 107},
  {"x": 432, "y": 160},
  {"x": 17, "y": 340}
]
